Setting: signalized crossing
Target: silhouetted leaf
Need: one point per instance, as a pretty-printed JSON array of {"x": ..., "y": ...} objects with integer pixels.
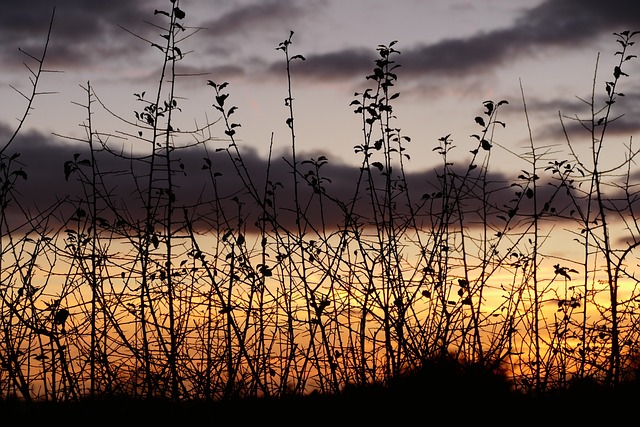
[
  {"x": 489, "y": 106},
  {"x": 221, "y": 98},
  {"x": 22, "y": 174},
  {"x": 377, "y": 165},
  {"x": 61, "y": 316},
  {"x": 617, "y": 72},
  {"x": 179, "y": 13},
  {"x": 562, "y": 271},
  {"x": 226, "y": 310}
]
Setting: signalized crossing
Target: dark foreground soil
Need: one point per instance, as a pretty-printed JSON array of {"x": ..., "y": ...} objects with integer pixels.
[{"x": 427, "y": 398}]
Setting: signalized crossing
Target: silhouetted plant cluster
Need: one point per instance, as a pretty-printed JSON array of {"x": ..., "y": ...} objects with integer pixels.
[{"x": 251, "y": 291}]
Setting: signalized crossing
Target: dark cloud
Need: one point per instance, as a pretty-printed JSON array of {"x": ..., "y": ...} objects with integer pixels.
[
  {"x": 90, "y": 32},
  {"x": 565, "y": 24},
  {"x": 259, "y": 21},
  {"x": 256, "y": 17},
  {"x": 345, "y": 64},
  {"x": 84, "y": 32},
  {"x": 43, "y": 157},
  {"x": 570, "y": 22},
  {"x": 576, "y": 116}
]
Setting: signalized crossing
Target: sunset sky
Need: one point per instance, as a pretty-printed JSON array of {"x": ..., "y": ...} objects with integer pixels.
[
  {"x": 455, "y": 54},
  {"x": 158, "y": 276}
]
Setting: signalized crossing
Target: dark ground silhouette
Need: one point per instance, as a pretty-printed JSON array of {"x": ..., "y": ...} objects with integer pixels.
[{"x": 439, "y": 393}]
